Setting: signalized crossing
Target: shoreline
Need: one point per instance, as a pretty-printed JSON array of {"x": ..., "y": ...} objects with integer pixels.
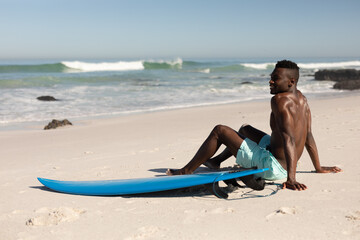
[{"x": 32, "y": 125}]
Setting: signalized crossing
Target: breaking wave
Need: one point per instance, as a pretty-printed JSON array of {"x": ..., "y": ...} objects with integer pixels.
[
  {"x": 79, "y": 66},
  {"x": 344, "y": 64},
  {"x": 104, "y": 66},
  {"x": 177, "y": 64}
]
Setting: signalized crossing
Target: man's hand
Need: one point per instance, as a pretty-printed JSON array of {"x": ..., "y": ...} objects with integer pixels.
[
  {"x": 293, "y": 185},
  {"x": 329, "y": 170}
]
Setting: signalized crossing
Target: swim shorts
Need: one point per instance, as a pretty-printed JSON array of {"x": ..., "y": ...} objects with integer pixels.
[{"x": 251, "y": 154}]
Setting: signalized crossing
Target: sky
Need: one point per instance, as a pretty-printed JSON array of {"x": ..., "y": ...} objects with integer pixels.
[{"x": 149, "y": 29}]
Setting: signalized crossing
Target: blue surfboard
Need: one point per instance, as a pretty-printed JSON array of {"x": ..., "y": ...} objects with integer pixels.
[{"x": 142, "y": 185}]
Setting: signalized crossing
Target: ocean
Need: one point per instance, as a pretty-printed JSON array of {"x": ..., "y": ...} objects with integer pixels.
[{"x": 90, "y": 89}]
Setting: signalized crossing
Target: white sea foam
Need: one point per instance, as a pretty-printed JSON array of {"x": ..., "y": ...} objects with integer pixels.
[
  {"x": 258, "y": 65},
  {"x": 176, "y": 63},
  {"x": 329, "y": 65},
  {"x": 170, "y": 62},
  {"x": 118, "y": 66},
  {"x": 207, "y": 70},
  {"x": 105, "y": 66},
  {"x": 319, "y": 65}
]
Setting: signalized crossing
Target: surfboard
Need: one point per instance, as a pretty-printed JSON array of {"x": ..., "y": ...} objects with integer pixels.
[{"x": 142, "y": 185}]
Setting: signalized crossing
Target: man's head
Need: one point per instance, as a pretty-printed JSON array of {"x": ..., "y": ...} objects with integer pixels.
[
  {"x": 284, "y": 78},
  {"x": 292, "y": 68}
]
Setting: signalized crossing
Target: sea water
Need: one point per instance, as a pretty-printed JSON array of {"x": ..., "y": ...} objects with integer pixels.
[{"x": 88, "y": 89}]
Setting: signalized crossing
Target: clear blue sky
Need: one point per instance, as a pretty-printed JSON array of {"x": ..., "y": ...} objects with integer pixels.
[{"x": 143, "y": 29}]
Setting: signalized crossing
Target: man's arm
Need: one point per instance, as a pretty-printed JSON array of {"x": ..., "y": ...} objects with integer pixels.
[
  {"x": 313, "y": 152},
  {"x": 281, "y": 108}
]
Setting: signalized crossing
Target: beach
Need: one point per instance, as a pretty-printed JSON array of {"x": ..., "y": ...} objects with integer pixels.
[
  {"x": 145, "y": 145},
  {"x": 127, "y": 91}
]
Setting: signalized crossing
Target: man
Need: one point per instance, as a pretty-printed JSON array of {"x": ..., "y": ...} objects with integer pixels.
[{"x": 290, "y": 122}]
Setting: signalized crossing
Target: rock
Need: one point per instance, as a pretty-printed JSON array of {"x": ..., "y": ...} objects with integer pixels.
[
  {"x": 46, "y": 98},
  {"x": 56, "y": 123},
  {"x": 348, "y": 85},
  {"x": 337, "y": 75},
  {"x": 247, "y": 82},
  {"x": 346, "y": 79}
]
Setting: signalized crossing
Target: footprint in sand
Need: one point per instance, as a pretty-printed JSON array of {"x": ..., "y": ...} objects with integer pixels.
[
  {"x": 283, "y": 211},
  {"x": 354, "y": 217},
  {"x": 192, "y": 216},
  {"x": 222, "y": 210},
  {"x": 54, "y": 216},
  {"x": 147, "y": 232}
]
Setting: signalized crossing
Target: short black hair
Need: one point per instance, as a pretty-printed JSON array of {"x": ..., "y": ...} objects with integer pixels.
[
  {"x": 289, "y": 65},
  {"x": 286, "y": 64}
]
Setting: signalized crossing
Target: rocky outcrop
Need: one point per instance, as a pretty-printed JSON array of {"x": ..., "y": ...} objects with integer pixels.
[
  {"x": 56, "y": 123},
  {"x": 338, "y": 75},
  {"x": 47, "y": 98},
  {"x": 348, "y": 85},
  {"x": 347, "y": 79}
]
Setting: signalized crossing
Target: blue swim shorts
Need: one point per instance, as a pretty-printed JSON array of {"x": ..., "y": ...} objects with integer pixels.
[{"x": 251, "y": 154}]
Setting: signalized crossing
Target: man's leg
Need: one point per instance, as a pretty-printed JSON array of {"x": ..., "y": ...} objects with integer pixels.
[
  {"x": 246, "y": 131},
  {"x": 252, "y": 133},
  {"x": 219, "y": 135}
]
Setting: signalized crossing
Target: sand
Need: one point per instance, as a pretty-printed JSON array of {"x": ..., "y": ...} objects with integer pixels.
[{"x": 146, "y": 145}]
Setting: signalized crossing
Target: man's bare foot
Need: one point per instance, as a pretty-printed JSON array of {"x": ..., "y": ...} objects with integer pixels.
[
  {"x": 172, "y": 172},
  {"x": 212, "y": 165}
]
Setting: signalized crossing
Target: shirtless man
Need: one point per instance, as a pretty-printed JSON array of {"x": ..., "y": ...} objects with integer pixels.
[{"x": 290, "y": 122}]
